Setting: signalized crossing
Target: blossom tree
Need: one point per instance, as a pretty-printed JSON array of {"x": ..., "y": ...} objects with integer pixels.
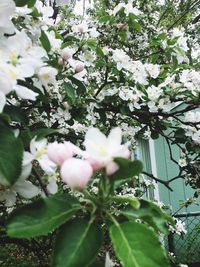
[{"x": 76, "y": 95}]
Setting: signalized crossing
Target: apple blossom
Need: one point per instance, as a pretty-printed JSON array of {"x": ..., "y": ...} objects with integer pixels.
[
  {"x": 7, "y": 9},
  {"x": 79, "y": 66},
  {"x": 52, "y": 186},
  {"x": 76, "y": 173},
  {"x": 102, "y": 150},
  {"x": 153, "y": 70},
  {"x": 94, "y": 33},
  {"x": 22, "y": 187},
  {"x": 38, "y": 150},
  {"x": 82, "y": 28},
  {"x": 59, "y": 152},
  {"x": 47, "y": 76},
  {"x": 66, "y": 53}
]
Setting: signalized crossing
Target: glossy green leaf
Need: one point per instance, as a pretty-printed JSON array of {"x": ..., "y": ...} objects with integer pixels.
[
  {"x": 70, "y": 91},
  {"x": 152, "y": 214},
  {"x": 81, "y": 87},
  {"x": 127, "y": 169},
  {"x": 11, "y": 155},
  {"x": 136, "y": 245},
  {"x": 45, "y": 41},
  {"x": 77, "y": 244},
  {"x": 42, "y": 216},
  {"x": 16, "y": 114}
]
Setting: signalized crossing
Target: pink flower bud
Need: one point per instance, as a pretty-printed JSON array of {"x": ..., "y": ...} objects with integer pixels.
[
  {"x": 111, "y": 168},
  {"x": 76, "y": 173},
  {"x": 58, "y": 153},
  {"x": 96, "y": 165},
  {"x": 79, "y": 67},
  {"x": 66, "y": 53}
]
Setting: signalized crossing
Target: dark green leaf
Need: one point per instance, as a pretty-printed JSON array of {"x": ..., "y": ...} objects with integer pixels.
[
  {"x": 4, "y": 119},
  {"x": 81, "y": 87},
  {"x": 151, "y": 214},
  {"x": 127, "y": 169},
  {"x": 21, "y": 3},
  {"x": 16, "y": 114},
  {"x": 77, "y": 244},
  {"x": 41, "y": 216},
  {"x": 11, "y": 155},
  {"x": 98, "y": 264},
  {"x": 70, "y": 91},
  {"x": 45, "y": 41},
  {"x": 137, "y": 246},
  {"x": 25, "y": 136}
]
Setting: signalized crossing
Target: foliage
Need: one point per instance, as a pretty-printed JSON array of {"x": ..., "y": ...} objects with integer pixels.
[{"x": 76, "y": 95}]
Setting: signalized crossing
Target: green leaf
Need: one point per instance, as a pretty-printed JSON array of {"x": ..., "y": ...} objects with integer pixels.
[
  {"x": 133, "y": 201},
  {"x": 43, "y": 132},
  {"x": 127, "y": 169},
  {"x": 21, "y": 3},
  {"x": 70, "y": 91},
  {"x": 98, "y": 264},
  {"x": 35, "y": 13},
  {"x": 81, "y": 87},
  {"x": 92, "y": 43},
  {"x": 11, "y": 155},
  {"x": 106, "y": 19},
  {"x": 4, "y": 119},
  {"x": 16, "y": 114},
  {"x": 45, "y": 41},
  {"x": 77, "y": 244},
  {"x": 151, "y": 214},
  {"x": 136, "y": 26},
  {"x": 25, "y": 136},
  {"x": 31, "y": 3},
  {"x": 137, "y": 246},
  {"x": 42, "y": 216}
]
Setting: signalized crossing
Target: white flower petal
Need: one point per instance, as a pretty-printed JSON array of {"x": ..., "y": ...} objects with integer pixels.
[
  {"x": 46, "y": 164},
  {"x": 52, "y": 186},
  {"x": 10, "y": 198},
  {"x": 94, "y": 136},
  {"x": 25, "y": 93},
  {"x": 26, "y": 189},
  {"x": 2, "y": 101},
  {"x": 115, "y": 136}
]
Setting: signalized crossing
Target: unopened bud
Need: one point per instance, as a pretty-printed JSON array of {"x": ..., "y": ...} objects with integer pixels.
[
  {"x": 79, "y": 67},
  {"x": 59, "y": 152},
  {"x": 66, "y": 53},
  {"x": 76, "y": 173}
]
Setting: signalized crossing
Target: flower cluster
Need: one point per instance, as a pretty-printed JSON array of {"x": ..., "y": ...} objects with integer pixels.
[{"x": 77, "y": 166}]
